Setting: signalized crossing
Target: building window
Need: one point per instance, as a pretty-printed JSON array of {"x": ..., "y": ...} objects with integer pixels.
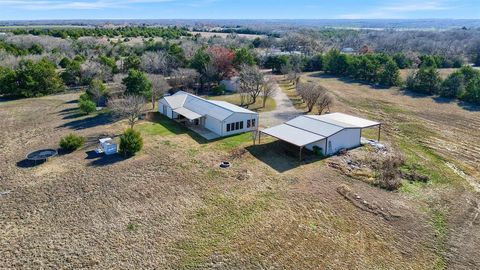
[
  {"x": 237, "y": 125},
  {"x": 248, "y": 124},
  {"x": 241, "y": 125},
  {"x": 228, "y": 127},
  {"x": 253, "y": 122}
]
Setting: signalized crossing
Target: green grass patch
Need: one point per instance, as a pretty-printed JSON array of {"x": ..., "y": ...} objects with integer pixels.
[
  {"x": 439, "y": 222},
  {"x": 215, "y": 223},
  {"x": 160, "y": 126},
  {"x": 234, "y": 141}
]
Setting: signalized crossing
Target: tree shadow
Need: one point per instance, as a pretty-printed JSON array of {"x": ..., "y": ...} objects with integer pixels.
[
  {"x": 281, "y": 156},
  {"x": 73, "y": 116},
  {"x": 469, "y": 106},
  {"x": 73, "y": 101},
  {"x": 442, "y": 100},
  {"x": 67, "y": 111},
  {"x": 89, "y": 122},
  {"x": 100, "y": 160},
  {"x": 25, "y": 163}
]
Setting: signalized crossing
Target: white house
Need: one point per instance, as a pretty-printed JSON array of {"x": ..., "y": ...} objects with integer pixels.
[
  {"x": 218, "y": 117},
  {"x": 330, "y": 132},
  {"x": 232, "y": 84}
]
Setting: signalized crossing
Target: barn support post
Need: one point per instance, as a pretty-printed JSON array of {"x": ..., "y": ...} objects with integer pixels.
[
  {"x": 300, "y": 153},
  {"x": 259, "y": 135},
  {"x": 379, "y": 130}
]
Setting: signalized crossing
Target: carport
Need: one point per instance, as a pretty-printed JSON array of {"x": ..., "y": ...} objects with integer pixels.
[
  {"x": 330, "y": 132},
  {"x": 292, "y": 135}
]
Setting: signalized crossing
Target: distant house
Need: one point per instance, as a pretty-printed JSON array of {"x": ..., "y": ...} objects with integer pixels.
[
  {"x": 348, "y": 51},
  {"x": 218, "y": 118},
  {"x": 231, "y": 85},
  {"x": 330, "y": 132}
]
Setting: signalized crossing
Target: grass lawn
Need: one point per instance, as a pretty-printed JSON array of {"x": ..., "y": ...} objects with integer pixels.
[
  {"x": 160, "y": 125},
  {"x": 235, "y": 99}
]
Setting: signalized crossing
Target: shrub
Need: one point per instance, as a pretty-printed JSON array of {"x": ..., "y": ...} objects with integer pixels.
[
  {"x": 389, "y": 171},
  {"x": 130, "y": 142},
  {"x": 86, "y": 105},
  {"x": 72, "y": 142},
  {"x": 317, "y": 151},
  {"x": 219, "y": 90}
]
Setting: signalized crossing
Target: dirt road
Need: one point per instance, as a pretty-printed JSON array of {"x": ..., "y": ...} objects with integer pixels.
[{"x": 284, "y": 110}]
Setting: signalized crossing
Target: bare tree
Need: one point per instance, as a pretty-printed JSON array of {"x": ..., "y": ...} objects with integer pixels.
[
  {"x": 159, "y": 87},
  {"x": 129, "y": 107},
  {"x": 310, "y": 93},
  {"x": 251, "y": 80},
  {"x": 269, "y": 89},
  {"x": 324, "y": 102},
  {"x": 184, "y": 78},
  {"x": 155, "y": 62}
]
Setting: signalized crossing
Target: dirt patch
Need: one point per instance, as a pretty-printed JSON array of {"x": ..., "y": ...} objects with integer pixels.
[{"x": 364, "y": 205}]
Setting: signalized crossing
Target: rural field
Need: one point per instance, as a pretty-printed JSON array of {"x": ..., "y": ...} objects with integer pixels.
[{"x": 170, "y": 206}]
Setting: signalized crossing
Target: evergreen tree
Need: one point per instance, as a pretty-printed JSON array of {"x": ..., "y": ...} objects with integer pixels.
[{"x": 137, "y": 83}]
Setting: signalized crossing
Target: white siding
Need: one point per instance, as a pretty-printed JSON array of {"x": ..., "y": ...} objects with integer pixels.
[
  {"x": 238, "y": 117},
  {"x": 347, "y": 138},
  {"x": 213, "y": 125},
  {"x": 169, "y": 113},
  {"x": 168, "y": 110}
]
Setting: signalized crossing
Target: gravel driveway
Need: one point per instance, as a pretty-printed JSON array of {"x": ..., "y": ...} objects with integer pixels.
[{"x": 283, "y": 112}]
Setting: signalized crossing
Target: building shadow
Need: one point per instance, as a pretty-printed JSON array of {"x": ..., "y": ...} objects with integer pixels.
[{"x": 281, "y": 156}]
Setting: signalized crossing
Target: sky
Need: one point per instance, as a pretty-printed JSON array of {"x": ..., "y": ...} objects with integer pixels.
[{"x": 238, "y": 9}]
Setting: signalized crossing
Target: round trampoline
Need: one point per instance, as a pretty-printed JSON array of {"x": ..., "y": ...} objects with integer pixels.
[{"x": 42, "y": 155}]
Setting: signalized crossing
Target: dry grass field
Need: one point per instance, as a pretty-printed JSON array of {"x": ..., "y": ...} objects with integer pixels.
[
  {"x": 443, "y": 72},
  {"x": 171, "y": 207}
]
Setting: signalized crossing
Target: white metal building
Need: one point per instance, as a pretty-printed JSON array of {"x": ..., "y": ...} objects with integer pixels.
[
  {"x": 232, "y": 84},
  {"x": 219, "y": 117},
  {"x": 330, "y": 132}
]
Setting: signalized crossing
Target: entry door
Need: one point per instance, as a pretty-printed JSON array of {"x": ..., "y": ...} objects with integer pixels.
[{"x": 197, "y": 122}]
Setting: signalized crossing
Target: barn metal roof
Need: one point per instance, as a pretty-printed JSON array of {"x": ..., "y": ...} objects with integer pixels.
[
  {"x": 312, "y": 125},
  {"x": 293, "y": 135},
  {"x": 187, "y": 113},
  {"x": 346, "y": 120},
  {"x": 306, "y": 129},
  {"x": 217, "y": 109}
]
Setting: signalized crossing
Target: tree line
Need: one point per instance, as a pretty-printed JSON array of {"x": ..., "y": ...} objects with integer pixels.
[
  {"x": 374, "y": 68},
  {"x": 381, "y": 69},
  {"x": 128, "y": 31}
]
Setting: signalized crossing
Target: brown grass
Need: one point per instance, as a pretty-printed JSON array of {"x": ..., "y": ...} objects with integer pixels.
[{"x": 172, "y": 207}]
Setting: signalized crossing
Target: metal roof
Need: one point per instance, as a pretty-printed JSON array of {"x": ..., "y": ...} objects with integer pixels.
[
  {"x": 231, "y": 106},
  {"x": 187, "y": 113},
  {"x": 217, "y": 109},
  {"x": 293, "y": 135},
  {"x": 306, "y": 129},
  {"x": 346, "y": 120},
  {"x": 175, "y": 101},
  {"x": 312, "y": 125}
]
